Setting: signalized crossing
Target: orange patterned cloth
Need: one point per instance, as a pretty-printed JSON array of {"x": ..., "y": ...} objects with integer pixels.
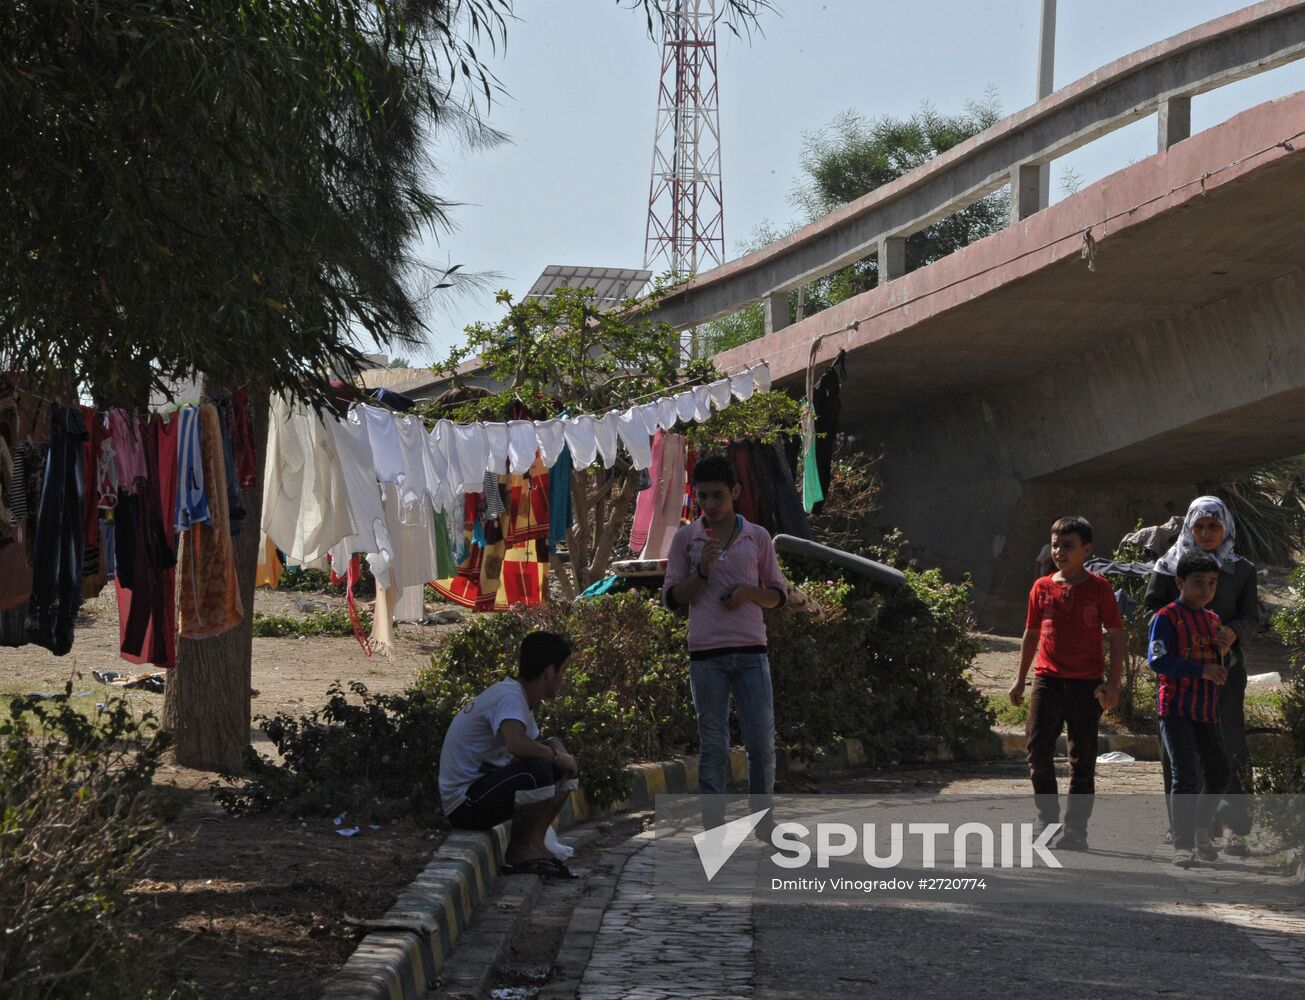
[{"x": 210, "y": 599}]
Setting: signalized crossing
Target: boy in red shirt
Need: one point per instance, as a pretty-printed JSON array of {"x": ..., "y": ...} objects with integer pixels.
[{"x": 1067, "y": 612}]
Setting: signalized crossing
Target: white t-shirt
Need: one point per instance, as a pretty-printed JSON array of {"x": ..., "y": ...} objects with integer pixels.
[{"x": 473, "y": 740}]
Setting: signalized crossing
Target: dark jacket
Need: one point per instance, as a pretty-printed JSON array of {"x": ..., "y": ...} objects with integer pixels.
[{"x": 1236, "y": 599}]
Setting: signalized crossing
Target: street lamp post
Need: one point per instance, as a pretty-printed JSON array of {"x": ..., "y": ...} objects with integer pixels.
[{"x": 1046, "y": 72}]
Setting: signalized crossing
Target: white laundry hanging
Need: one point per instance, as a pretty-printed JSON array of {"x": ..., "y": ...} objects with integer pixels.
[
  {"x": 443, "y": 477},
  {"x": 685, "y": 407},
  {"x": 551, "y": 436},
  {"x": 702, "y": 401},
  {"x": 496, "y": 438},
  {"x": 721, "y": 393},
  {"x": 363, "y": 492},
  {"x": 667, "y": 414},
  {"x": 387, "y": 457},
  {"x": 522, "y": 445},
  {"x": 605, "y": 429},
  {"x": 306, "y": 511},
  {"x": 582, "y": 439},
  {"x": 744, "y": 384},
  {"x": 636, "y": 435},
  {"x": 416, "y": 463},
  {"x": 470, "y": 445}
]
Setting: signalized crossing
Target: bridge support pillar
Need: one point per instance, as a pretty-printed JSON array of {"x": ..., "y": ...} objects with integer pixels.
[
  {"x": 1025, "y": 191},
  {"x": 1173, "y": 122},
  {"x": 776, "y": 305},
  {"x": 892, "y": 258}
]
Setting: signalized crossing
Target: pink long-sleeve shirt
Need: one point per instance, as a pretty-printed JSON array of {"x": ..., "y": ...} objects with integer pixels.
[{"x": 749, "y": 560}]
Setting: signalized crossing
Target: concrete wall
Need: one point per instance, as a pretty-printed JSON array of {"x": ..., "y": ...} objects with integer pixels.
[{"x": 1119, "y": 432}]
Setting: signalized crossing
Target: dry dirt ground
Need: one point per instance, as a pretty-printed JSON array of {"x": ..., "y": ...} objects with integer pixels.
[{"x": 256, "y": 906}]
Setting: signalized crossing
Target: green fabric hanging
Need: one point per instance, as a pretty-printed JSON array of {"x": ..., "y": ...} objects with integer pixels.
[
  {"x": 444, "y": 565},
  {"x": 812, "y": 494}
]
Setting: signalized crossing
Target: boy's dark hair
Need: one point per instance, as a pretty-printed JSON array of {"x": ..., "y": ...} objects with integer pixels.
[
  {"x": 1195, "y": 562},
  {"x": 714, "y": 469},
  {"x": 1074, "y": 524},
  {"x": 541, "y": 650}
]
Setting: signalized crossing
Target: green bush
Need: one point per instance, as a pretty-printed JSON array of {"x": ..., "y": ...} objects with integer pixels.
[
  {"x": 318, "y": 581},
  {"x": 76, "y": 829},
  {"x": 1282, "y": 775},
  {"x": 626, "y": 696},
  {"x": 334, "y": 623},
  {"x": 887, "y": 667},
  {"x": 374, "y": 759}
]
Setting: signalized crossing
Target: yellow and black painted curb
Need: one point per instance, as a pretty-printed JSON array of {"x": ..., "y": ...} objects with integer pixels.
[{"x": 404, "y": 953}]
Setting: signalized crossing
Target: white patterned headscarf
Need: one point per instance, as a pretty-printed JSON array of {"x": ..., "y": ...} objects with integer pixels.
[{"x": 1186, "y": 544}]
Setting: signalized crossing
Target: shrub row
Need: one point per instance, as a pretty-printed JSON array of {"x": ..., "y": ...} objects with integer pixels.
[
  {"x": 77, "y": 826},
  {"x": 888, "y": 668}
]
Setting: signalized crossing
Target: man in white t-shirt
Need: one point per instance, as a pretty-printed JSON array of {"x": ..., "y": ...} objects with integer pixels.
[{"x": 494, "y": 767}]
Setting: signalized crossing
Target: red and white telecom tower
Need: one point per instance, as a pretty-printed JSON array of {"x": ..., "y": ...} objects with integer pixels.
[{"x": 686, "y": 218}]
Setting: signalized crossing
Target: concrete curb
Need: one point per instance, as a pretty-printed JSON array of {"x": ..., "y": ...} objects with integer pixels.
[
  {"x": 403, "y": 956},
  {"x": 1141, "y": 747}
]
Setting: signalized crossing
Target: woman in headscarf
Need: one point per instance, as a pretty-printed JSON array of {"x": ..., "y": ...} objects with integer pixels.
[{"x": 1209, "y": 527}]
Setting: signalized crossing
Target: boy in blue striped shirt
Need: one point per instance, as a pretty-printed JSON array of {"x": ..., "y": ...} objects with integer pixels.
[{"x": 1186, "y": 649}]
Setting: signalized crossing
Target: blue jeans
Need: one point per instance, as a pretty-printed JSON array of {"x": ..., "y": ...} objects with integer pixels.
[
  {"x": 747, "y": 677},
  {"x": 1199, "y": 765}
]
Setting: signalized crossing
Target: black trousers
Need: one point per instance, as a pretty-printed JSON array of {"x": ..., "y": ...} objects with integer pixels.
[
  {"x": 57, "y": 549},
  {"x": 1056, "y": 704},
  {"x": 1234, "y": 811}
]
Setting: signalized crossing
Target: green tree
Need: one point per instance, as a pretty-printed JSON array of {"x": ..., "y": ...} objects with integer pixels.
[
  {"x": 563, "y": 354},
  {"x": 850, "y": 157},
  {"x": 232, "y": 189}
]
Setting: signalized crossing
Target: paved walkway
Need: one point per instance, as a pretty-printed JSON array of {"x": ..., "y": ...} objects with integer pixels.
[
  {"x": 648, "y": 949},
  {"x": 1201, "y": 944}
]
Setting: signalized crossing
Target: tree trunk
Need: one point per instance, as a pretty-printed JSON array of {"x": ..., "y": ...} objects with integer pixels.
[{"x": 206, "y": 706}]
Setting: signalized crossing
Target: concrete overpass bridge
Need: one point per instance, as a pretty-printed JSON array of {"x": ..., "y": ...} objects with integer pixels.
[{"x": 1100, "y": 356}]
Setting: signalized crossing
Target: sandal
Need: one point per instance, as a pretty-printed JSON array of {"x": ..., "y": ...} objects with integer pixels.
[
  {"x": 1184, "y": 859},
  {"x": 543, "y": 867},
  {"x": 1207, "y": 851}
]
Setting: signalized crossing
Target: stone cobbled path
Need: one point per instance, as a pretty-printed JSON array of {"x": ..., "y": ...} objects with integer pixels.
[{"x": 646, "y": 950}]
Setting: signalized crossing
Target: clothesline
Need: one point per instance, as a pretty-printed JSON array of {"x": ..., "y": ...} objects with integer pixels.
[
  {"x": 462, "y": 505},
  {"x": 147, "y": 501},
  {"x": 321, "y": 484}
]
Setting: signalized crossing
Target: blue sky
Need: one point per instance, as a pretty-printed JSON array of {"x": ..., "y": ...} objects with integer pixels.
[{"x": 571, "y": 186}]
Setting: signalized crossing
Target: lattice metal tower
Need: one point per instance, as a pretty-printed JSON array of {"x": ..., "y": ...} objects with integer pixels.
[{"x": 686, "y": 217}]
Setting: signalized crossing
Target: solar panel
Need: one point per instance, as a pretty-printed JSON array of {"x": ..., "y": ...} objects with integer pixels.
[{"x": 611, "y": 285}]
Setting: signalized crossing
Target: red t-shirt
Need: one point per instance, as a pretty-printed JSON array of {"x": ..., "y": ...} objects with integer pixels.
[{"x": 1070, "y": 621}]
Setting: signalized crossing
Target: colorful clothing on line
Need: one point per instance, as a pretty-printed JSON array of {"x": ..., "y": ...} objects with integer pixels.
[
  {"x": 146, "y": 593},
  {"x": 560, "y": 513},
  {"x": 210, "y": 598},
  {"x": 57, "y": 553},
  {"x": 527, "y": 509},
  {"x": 646, "y": 499},
  {"x": 193, "y": 503},
  {"x": 128, "y": 448},
  {"x": 668, "y": 498}
]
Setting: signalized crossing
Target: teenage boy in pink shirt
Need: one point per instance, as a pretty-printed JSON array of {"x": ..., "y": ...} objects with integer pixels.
[{"x": 722, "y": 568}]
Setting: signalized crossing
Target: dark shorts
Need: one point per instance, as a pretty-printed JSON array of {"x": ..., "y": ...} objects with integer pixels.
[{"x": 496, "y": 793}]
